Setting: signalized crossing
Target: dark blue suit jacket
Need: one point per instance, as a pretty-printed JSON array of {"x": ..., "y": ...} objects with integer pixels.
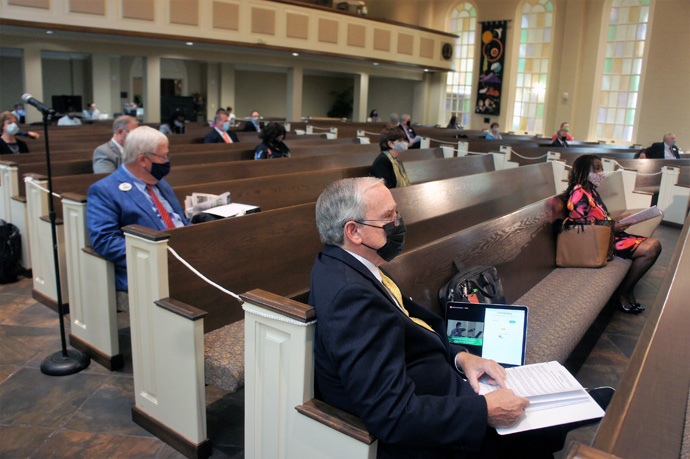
[
  {"x": 109, "y": 208},
  {"x": 373, "y": 361},
  {"x": 214, "y": 137}
]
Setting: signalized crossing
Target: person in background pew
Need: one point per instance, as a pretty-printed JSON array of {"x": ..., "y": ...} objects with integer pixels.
[
  {"x": 387, "y": 166},
  {"x": 19, "y": 113},
  {"x": 395, "y": 121},
  {"x": 272, "y": 145},
  {"x": 254, "y": 124},
  {"x": 91, "y": 112},
  {"x": 231, "y": 116},
  {"x": 561, "y": 139},
  {"x": 135, "y": 194},
  {"x": 565, "y": 127},
  {"x": 221, "y": 132},
  {"x": 174, "y": 125},
  {"x": 493, "y": 132},
  {"x": 585, "y": 204},
  {"x": 70, "y": 119},
  {"x": 453, "y": 123},
  {"x": 405, "y": 125},
  {"x": 9, "y": 144},
  {"x": 108, "y": 157},
  {"x": 373, "y": 117},
  {"x": 384, "y": 358},
  {"x": 661, "y": 150}
]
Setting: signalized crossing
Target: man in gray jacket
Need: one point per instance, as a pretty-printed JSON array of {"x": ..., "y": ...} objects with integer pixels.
[{"x": 108, "y": 157}]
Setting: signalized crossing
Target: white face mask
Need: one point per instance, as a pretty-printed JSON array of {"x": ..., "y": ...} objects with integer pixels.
[
  {"x": 179, "y": 123},
  {"x": 12, "y": 129},
  {"x": 255, "y": 119},
  {"x": 400, "y": 146}
]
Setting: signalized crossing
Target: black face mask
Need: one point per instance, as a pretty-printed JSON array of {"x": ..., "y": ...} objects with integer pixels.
[
  {"x": 564, "y": 138},
  {"x": 395, "y": 239},
  {"x": 160, "y": 170}
]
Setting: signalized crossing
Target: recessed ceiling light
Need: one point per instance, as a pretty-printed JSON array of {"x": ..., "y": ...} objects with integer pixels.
[
  {"x": 49, "y": 32},
  {"x": 189, "y": 43},
  {"x": 426, "y": 70},
  {"x": 376, "y": 63},
  {"x": 295, "y": 54}
]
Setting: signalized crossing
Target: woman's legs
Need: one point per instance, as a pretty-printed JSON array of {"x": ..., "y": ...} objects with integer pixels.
[{"x": 643, "y": 259}]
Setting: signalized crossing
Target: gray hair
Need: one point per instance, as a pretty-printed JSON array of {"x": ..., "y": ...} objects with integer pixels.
[
  {"x": 219, "y": 116},
  {"x": 121, "y": 122},
  {"x": 394, "y": 118},
  {"x": 141, "y": 141},
  {"x": 341, "y": 202},
  {"x": 667, "y": 135}
]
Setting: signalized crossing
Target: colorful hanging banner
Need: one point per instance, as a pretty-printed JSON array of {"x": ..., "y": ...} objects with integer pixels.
[{"x": 490, "y": 88}]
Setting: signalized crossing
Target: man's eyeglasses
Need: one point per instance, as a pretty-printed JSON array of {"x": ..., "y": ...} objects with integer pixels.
[
  {"x": 395, "y": 220},
  {"x": 166, "y": 157}
]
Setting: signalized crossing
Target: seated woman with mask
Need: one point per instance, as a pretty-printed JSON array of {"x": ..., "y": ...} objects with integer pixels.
[
  {"x": 9, "y": 144},
  {"x": 387, "y": 165},
  {"x": 272, "y": 145},
  {"x": 585, "y": 204}
]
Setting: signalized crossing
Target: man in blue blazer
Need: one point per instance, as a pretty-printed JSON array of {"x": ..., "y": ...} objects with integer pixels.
[
  {"x": 253, "y": 125},
  {"x": 134, "y": 194},
  {"x": 383, "y": 357}
]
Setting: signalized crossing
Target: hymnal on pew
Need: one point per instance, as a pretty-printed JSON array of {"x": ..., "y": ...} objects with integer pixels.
[
  {"x": 232, "y": 210},
  {"x": 641, "y": 216},
  {"x": 555, "y": 396},
  {"x": 199, "y": 202}
]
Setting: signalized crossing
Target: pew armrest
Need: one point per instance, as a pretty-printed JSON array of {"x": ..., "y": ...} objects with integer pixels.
[
  {"x": 281, "y": 305},
  {"x": 180, "y": 308},
  {"x": 92, "y": 252},
  {"x": 339, "y": 420},
  {"x": 19, "y": 198}
]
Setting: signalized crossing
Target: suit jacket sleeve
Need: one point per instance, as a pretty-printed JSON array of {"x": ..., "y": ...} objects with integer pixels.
[
  {"x": 382, "y": 168},
  {"x": 103, "y": 223},
  {"x": 103, "y": 162},
  {"x": 213, "y": 137},
  {"x": 373, "y": 370}
]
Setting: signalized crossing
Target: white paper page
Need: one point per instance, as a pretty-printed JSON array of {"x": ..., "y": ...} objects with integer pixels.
[
  {"x": 641, "y": 216},
  {"x": 230, "y": 210},
  {"x": 536, "y": 379},
  {"x": 538, "y": 418}
]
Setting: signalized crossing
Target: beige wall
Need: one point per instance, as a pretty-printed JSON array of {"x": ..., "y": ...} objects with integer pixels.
[
  {"x": 317, "y": 93},
  {"x": 53, "y": 86},
  {"x": 11, "y": 87},
  {"x": 389, "y": 95},
  {"x": 262, "y": 91}
]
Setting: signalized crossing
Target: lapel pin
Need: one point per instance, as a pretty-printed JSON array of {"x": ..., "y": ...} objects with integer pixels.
[{"x": 124, "y": 186}]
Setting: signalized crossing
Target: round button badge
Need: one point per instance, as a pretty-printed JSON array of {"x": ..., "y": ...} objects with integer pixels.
[{"x": 124, "y": 186}]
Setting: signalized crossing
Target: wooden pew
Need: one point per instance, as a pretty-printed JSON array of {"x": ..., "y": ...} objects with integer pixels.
[
  {"x": 91, "y": 294},
  {"x": 280, "y": 241},
  {"x": 647, "y": 416}
]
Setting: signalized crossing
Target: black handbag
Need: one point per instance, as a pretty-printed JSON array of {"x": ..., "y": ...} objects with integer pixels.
[{"x": 474, "y": 284}]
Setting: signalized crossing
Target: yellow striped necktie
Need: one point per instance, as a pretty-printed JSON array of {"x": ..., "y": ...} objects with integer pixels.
[{"x": 395, "y": 291}]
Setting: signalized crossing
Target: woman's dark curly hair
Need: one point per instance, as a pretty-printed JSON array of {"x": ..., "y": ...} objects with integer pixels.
[
  {"x": 579, "y": 174},
  {"x": 271, "y": 132}
]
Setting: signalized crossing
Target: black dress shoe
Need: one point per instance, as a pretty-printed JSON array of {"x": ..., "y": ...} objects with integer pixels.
[
  {"x": 602, "y": 395},
  {"x": 635, "y": 308}
]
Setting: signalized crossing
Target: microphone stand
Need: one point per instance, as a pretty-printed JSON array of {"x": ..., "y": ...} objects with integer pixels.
[{"x": 64, "y": 362}]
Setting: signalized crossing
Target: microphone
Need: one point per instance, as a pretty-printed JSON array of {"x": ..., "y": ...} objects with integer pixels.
[{"x": 28, "y": 99}]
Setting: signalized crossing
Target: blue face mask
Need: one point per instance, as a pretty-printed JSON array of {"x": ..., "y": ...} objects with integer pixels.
[
  {"x": 226, "y": 126},
  {"x": 21, "y": 112}
]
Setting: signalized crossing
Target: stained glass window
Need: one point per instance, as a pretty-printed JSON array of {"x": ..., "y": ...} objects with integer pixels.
[
  {"x": 534, "y": 55},
  {"x": 463, "y": 22},
  {"x": 620, "y": 83}
]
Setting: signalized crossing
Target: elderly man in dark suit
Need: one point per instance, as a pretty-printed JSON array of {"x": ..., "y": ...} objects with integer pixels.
[
  {"x": 254, "y": 124},
  {"x": 108, "y": 157},
  {"x": 662, "y": 150},
  {"x": 221, "y": 133},
  {"x": 386, "y": 359},
  {"x": 406, "y": 126}
]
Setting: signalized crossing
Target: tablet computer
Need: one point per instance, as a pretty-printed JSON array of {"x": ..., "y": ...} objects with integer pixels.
[{"x": 492, "y": 331}]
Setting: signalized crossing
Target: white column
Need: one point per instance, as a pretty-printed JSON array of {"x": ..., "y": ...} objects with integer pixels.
[
  {"x": 33, "y": 80},
  {"x": 100, "y": 74},
  {"x": 295, "y": 82},
  {"x": 152, "y": 109},
  {"x": 227, "y": 86},
  {"x": 361, "y": 97},
  {"x": 212, "y": 89}
]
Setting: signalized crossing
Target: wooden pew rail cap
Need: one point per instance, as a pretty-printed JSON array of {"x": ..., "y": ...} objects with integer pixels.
[
  {"x": 77, "y": 197},
  {"x": 339, "y": 420},
  {"x": 146, "y": 233},
  {"x": 180, "y": 308},
  {"x": 281, "y": 305}
]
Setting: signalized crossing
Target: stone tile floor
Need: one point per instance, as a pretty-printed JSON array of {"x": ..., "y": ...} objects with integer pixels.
[{"x": 88, "y": 414}]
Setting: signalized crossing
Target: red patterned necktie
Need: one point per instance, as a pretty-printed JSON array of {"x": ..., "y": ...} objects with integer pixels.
[{"x": 161, "y": 209}]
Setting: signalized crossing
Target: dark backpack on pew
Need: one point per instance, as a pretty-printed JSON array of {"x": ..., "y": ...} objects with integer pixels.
[
  {"x": 474, "y": 284},
  {"x": 10, "y": 252}
]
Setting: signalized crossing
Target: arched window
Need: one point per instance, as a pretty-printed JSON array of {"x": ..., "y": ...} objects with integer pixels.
[
  {"x": 620, "y": 82},
  {"x": 533, "y": 66},
  {"x": 463, "y": 22}
]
